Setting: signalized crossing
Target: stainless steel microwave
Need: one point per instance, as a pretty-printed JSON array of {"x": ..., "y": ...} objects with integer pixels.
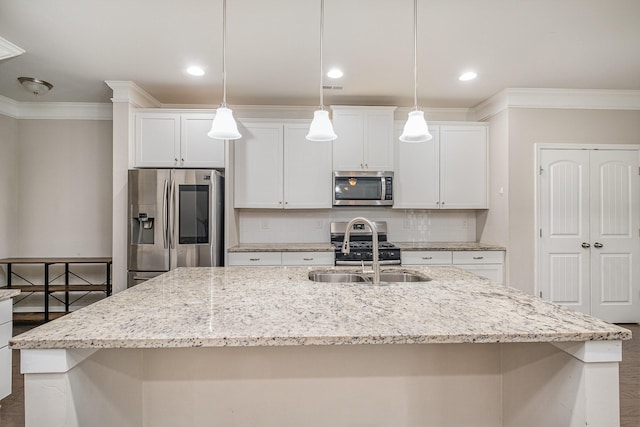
[{"x": 362, "y": 188}]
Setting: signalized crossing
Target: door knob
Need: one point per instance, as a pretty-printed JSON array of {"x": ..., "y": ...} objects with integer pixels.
[
  {"x": 585, "y": 245},
  {"x": 597, "y": 245}
]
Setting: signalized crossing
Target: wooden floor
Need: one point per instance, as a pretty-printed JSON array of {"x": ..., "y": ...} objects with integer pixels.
[{"x": 12, "y": 411}]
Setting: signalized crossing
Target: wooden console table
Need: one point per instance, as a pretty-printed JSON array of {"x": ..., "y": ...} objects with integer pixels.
[{"x": 49, "y": 288}]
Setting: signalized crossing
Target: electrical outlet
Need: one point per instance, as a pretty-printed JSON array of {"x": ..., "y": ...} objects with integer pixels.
[
  {"x": 264, "y": 224},
  {"x": 465, "y": 224}
]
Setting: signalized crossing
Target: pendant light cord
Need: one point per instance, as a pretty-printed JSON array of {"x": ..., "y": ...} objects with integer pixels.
[
  {"x": 321, "y": 51},
  {"x": 224, "y": 53},
  {"x": 415, "y": 54}
]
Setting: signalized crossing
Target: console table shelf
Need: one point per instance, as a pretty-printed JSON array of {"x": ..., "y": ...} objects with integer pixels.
[{"x": 49, "y": 288}]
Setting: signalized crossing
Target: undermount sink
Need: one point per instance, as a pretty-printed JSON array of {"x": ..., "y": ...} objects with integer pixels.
[{"x": 348, "y": 277}]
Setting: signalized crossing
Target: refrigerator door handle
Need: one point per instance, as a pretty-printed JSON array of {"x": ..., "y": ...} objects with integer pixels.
[
  {"x": 164, "y": 213},
  {"x": 172, "y": 215}
]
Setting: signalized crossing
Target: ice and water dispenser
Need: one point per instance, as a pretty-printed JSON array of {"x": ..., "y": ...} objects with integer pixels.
[{"x": 142, "y": 224}]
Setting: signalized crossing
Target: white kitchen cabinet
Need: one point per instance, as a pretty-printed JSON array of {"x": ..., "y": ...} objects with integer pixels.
[
  {"x": 365, "y": 138},
  {"x": 448, "y": 172},
  {"x": 276, "y": 167},
  {"x": 426, "y": 257},
  {"x": 255, "y": 258},
  {"x": 6, "y": 313},
  {"x": 281, "y": 258},
  {"x": 463, "y": 167},
  {"x": 589, "y": 217},
  {"x": 174, "y": 139},
  {"x": 489, "y": 264},
  {"x": 308, "y": 258}
]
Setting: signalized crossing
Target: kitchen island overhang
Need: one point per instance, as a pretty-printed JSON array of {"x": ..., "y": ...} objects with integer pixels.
[{"x": 303, "y": 346}]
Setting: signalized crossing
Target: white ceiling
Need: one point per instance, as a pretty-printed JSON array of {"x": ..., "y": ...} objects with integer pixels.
[{"x": 273, "y": 49}]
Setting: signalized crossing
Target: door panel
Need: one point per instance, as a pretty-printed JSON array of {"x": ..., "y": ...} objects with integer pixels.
[
  {"x": 147, "y": 220},
  {"x": 192, "y": 221},
  {"x": 614, "y": 236},
  {"x": 564, "y": 221}
]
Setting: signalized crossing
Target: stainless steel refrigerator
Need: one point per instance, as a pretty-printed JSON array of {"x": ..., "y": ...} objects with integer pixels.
[{"x": 175, "y": 220}]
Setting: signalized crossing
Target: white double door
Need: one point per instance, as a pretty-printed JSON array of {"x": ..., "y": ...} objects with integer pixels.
[{"x": 589, "y": 252}]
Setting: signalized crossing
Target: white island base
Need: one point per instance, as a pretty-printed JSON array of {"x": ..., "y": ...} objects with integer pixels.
[{"x": 512, "y": 384}]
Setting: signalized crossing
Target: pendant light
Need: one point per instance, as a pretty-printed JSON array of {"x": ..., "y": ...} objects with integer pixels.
[
  {"x": 415, "y": 129},
  {"x": 224, "y": 126},
  {"x": 321, "y": 128}
]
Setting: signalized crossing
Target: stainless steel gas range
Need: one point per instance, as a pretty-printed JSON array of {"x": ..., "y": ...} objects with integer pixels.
[{"x": 361, "y": 244}]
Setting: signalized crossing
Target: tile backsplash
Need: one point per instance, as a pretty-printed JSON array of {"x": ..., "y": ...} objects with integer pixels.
[{"x": 404, "y": 225}]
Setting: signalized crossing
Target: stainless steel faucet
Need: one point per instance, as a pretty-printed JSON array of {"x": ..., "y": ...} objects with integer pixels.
[{"x": 374, "y": 236}]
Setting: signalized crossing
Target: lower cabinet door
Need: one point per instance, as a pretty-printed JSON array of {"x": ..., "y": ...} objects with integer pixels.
[{"x": 490, "y": 271}]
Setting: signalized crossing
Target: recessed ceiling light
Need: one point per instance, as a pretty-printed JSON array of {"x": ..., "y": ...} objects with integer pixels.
[
  {"x": 335, "y": 73},
  {"x": 469, "y": 75},
  {"x": 195, "y": 71}
]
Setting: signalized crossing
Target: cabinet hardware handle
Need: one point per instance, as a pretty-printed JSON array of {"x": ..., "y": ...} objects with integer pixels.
[
  {"x": 361, "y": 166},
  {"x": 286, "y": 203},
  {"x": 366, "y": 166},
  {"x": 182, "y": 160},
  {"x": 478, "y": 257},
  {"x": 442, "y": 203},
  {"x": 427, "y": 257},
  {"x": 307, "y": 259},
  {"x": 175, "y": 159},
  {"x": 254, "y": 259},
  {"x": 585, "y": 245},
  {"x": 597, "y": 245}
]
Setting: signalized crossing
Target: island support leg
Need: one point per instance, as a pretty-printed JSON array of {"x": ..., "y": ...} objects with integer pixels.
[
  {"x": 565, "y": 384},
  {"x": 76, "y": 388}
]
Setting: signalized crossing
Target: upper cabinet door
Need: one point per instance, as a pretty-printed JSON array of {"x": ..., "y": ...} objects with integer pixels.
[
  {"x": 307, "y": 170},
  {"x": 258, "y": 166},
  {"x": 157, "y": 140},
  {"x": 348, "y": 148},
  {"x": 416, "y": 182},
  {"x": 463, "y": 167},
  {"x": 378, "y": 136},
  {"x": 365, "y": 138},
  {"x": 198, "y": 150}
]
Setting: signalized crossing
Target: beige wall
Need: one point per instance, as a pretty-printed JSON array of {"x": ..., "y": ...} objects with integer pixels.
[
  {"x": 8, "y": 181},
  {"x": 549, "y": 126},
  {"x": 64, "y": 170}
]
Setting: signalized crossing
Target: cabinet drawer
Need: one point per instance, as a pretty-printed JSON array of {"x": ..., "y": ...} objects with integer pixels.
[
  {"x": 478, "y": 257},
  {"x": 5, "y": 372},
  {"x": 425, "y": 257},
  {"x": 5, "y": 333},
  {"x": 255, "y": 258},
  {"x": 308, "y": 258},
  {"x": 6, "y": 310}
]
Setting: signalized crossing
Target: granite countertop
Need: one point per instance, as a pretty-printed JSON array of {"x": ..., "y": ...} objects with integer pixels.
[
  {"x": 8, "y": 293},
  {"x": 448, "y": 246},
  {"x": 328, "y": 247},
  {"x": 283, "y": 247},
  {"x": 278, "y": 306}
]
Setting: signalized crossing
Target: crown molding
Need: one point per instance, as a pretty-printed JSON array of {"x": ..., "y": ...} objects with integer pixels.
[
  {"x": 582, "y": 99},
  {"x": 55, "y": 110},
  {"x": 128, "y": 91},
  {"x": 8, "y": 49}
]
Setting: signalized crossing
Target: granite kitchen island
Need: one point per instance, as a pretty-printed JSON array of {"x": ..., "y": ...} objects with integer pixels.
[{"x": 266, "y": 346}]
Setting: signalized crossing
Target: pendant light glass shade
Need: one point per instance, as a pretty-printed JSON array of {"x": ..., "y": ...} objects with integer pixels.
[
  {"x": 224, "y": 126},
  {"x": 321, "y": 128},
  {"x": 415, "y": 129}
]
